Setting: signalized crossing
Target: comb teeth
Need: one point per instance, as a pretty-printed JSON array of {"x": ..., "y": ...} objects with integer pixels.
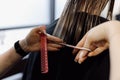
[{"x": 44, "y": 56}]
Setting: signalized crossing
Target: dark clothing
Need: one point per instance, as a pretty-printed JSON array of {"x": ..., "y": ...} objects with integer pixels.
[
  {"x": 63, "y": 67},
  {"x": 118, "y": 17}
]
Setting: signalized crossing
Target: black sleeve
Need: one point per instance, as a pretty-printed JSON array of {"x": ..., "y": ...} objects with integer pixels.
[
  {"x": 50, "y": 28},
  {"x": 32, "y": 69},
  {"x": 118, "y": 17}
]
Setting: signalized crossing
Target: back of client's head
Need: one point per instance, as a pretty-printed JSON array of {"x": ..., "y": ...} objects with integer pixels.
[{"x": 77, "y": 18}]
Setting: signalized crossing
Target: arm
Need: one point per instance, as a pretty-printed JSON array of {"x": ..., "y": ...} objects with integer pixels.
[
  {"x": 30, "y": 43},
  {"x": 98, "y": 39},
  {"x": 114, "y": 46},
  {"x": 7, "y": 59}
]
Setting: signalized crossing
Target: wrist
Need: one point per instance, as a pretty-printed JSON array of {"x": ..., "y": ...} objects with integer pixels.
[
  {"x": 112, "y": 29},
  {"x": 20, "y": 48},
  {"x": 23, "y": 45}
]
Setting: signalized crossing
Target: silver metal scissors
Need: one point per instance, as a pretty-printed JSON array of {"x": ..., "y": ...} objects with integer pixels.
[
  {"x": 75, "y": 47},
  {"x": 68, "y": 45}
]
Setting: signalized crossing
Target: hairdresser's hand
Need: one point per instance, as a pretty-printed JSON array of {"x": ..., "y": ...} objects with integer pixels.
[
  {"x": 95, "y": 39},
  {"x": 32, "y": 41},
  {"x": 98, "y": 39}
]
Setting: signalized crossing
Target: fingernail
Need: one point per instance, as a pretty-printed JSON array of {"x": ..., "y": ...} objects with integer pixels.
[{"x": 79, "y": 62}]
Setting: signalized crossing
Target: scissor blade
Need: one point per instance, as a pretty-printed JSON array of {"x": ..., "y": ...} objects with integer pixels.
[{"x": 71, "y": 46}]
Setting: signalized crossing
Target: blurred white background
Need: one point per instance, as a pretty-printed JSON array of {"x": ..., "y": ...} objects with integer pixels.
[{"x": 16, "y": 13}]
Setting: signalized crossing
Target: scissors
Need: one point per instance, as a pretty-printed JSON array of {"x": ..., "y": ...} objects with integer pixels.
[
  {"x": 68, "y": 45},
  {"x": 75, "y": 47}
]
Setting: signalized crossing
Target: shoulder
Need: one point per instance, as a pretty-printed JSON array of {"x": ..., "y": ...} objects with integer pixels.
[{"x": 50, "y": 27}]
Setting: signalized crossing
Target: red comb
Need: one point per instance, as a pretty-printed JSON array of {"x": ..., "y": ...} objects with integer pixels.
[{"x": 44, "y": 56}]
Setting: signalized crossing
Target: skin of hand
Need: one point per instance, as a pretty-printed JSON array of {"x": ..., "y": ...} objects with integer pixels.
[
  {"x": 29, "y": 44},
  {"x": 97, "y": 39},
  {"x": 32, "y": 41}
]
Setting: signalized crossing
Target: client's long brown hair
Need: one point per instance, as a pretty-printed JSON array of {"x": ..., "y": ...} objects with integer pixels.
[{"x": 77, "y": 18}]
